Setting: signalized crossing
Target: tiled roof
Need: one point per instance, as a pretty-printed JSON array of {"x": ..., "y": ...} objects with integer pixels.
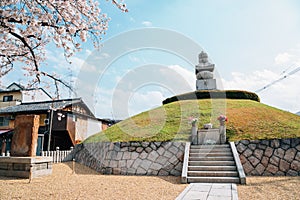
[{"x": 41, "y": 106}]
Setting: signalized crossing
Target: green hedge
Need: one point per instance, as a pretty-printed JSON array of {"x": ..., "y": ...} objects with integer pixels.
[{"x": 214, "y": 94}]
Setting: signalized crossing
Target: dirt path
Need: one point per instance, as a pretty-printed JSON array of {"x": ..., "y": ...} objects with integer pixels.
[{"x": 87, "y": 184}]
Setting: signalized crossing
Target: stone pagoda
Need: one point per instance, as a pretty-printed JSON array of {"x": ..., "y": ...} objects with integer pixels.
[{"x": 204, "y": 73}]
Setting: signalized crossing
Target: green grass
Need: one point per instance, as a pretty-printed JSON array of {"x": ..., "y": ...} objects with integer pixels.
[{"x": 247, "y": 120}]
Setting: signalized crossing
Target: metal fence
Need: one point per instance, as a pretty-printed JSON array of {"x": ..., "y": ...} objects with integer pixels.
[{"x": 59, "y": 156}]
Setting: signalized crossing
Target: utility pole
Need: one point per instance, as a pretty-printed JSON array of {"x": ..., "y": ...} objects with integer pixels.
[{"x": 50, "y": 129}]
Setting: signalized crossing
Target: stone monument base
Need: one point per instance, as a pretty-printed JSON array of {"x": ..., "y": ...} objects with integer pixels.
[
  {"x": 206, "y": 136},
  {"x": 20, "y": 166},
  {"x": 206, "y": 84}
]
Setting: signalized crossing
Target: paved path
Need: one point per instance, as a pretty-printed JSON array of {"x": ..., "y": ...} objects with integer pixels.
[{"x": 209, "y": 191}]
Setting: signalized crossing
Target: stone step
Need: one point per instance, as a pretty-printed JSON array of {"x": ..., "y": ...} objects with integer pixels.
[
  {"x": 213, "y": 180},
  {"x": 212, "y": 173},
  {"x": 210, "y": 154},
  {"x": 211, "y": 158},
  {"x": 211, "y": 168},
  {"x": 218, "y": 150},
  {"x": 211, "y": 163},
  {"x": 210, "y": 146}
]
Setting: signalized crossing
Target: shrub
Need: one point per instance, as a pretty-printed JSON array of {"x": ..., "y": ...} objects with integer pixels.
[{"x": 214, "y": 94}]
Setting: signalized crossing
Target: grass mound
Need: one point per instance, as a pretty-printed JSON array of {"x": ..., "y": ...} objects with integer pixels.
[{"x": 247, "y": 120}]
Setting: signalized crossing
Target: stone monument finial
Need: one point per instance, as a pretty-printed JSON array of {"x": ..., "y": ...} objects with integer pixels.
[{"x": 204, "y": 73}]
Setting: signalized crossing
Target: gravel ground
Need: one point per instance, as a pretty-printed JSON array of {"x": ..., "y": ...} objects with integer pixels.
[{"x": 87, "y": 184}]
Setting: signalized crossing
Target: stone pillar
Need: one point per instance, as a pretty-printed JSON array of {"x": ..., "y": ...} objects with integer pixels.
[
  {"x": 24, "y": 141},
  {"x": 194, "y": 134},
  {"x": 222, "y": 134}
]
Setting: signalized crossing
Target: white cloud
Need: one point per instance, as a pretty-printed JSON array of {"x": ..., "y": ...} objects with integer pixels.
[
  {"x": 282, "y": 58},
  {"x": 283, "y": 95},
  {"x": 147, "y": 23},
  {"x": 189, "y": 76}
]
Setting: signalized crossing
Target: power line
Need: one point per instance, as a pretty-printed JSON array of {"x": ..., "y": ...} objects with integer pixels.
[{"x": 280, "y": 79}]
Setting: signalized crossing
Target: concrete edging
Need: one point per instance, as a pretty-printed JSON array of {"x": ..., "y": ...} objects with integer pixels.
[
  {"x": 238, "y": 163},
  {"x": 185, "y": 162}
]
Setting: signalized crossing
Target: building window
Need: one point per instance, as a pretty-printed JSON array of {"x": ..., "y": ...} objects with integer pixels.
[
  {"x": 4, "y": 121},
  {"x": 7, "y": 98}
]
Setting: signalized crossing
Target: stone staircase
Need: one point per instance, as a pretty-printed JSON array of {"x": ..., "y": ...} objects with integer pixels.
[{"x": 212, "y": 164}]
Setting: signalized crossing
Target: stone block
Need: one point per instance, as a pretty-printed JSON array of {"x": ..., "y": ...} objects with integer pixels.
[
  {"x": 146, "y": 164},
  {"x": 272, "y": 169},
  {"x": 124, "y": 144},
  {"x": 113, "y": 163},
  {"x": 260, "y": 169},
  {"x": 245, "y": 142},
  {"x": 275, "y": 143},
  {"x": 117, "y": 146},
  {"x": 295, "y": 165},
  {"x": 292, "y": 173},
  {"x": 269, "y": 152},
  {"x": 241, "y": 147},
  {"x": 139, "y": 149},
  {"x": 116, "y": 171},
  {"x": 258, "y": 153},
  {"x": 122, "y": 163},
  {"x": 295, "y": 142},
  {"x": 178, "y": 167},
  {"x": 286, "y": 141},
  {"x": 280, "y": 173},
  {"x": 131, "y": 149},
  {"x": 167, "y": 154},
  {"x": 153, "y": 156},
  {"x": 290, "y": 154},
  {"x": 126, "y": 156},
  {"x": 297, "y": 157},
  {"x": 247, "y": 153},
  {"x": 143, "y": 155},
  {"x": 141, "y": 171},
  {"x": 253, "y": 160},
  {"x": 155, "y": 166},
  {"x": 161, "y": 151},
  {"x": 297, "y": 147},
  {"x": 145, "y": 144},
  {"x": 173, "y": 150},
  {"x": 148, "y": 149},
  {"x": 153, "y": 146},
  {"x": 129, "y": 163},
  {"x": 279, "y": 153},
  {"x": 248, "y": 167},
  {"x": 119, "y": 155},
  {"x": 265, "y": 142},
  {"x": 24, "y": 140},
  {"x": 137, "y": 163},
  {"x": 285, "y": 146},
  {"x": 274, "y": 160},
  {"x": 157, "y": 144},
  {"x": 131, "y": 171},
  {"x": 174, "y": 172},
  {"x": 163, "y": 172},
  {"x": 180, "y": 156},
  {"x": 243, "y": 159},
  {"x": 162, "y": 160},
  {"x": 252, "y": 146},
  {"x": 167, "y": 145},
  {"x": 261, "y": 146},
  {"x": 135, "y": 144},
  {"x": 134, "y": 155},
  {"x": 173, "y": 160},
  {"x": 284, "y": 165}
]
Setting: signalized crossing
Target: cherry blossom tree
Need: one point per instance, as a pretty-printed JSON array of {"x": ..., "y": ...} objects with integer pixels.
[{"x": 27, "y": 26}]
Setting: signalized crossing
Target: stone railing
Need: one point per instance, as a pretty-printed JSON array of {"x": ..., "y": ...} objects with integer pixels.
[
  {"x": 270, "y": 157},
  {"x": 132, "y": 158}
]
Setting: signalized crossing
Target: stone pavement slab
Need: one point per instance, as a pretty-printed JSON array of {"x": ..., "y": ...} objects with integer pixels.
[{"x": 209, "y": 191}]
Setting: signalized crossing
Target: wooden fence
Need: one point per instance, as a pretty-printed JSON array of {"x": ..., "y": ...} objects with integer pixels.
[{"x": 59, "y": 156}]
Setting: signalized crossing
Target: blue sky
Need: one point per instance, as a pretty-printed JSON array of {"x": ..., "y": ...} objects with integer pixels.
[{"x": 252, "y": 43}]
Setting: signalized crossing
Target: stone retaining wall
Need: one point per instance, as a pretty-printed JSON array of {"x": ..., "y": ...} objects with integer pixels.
[
  {"x": 270, "y": 157},
  {"x": 132, "y": 158}
]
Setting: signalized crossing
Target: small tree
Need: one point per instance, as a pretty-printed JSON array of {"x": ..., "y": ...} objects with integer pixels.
[{"x": 27, "y": 26}]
